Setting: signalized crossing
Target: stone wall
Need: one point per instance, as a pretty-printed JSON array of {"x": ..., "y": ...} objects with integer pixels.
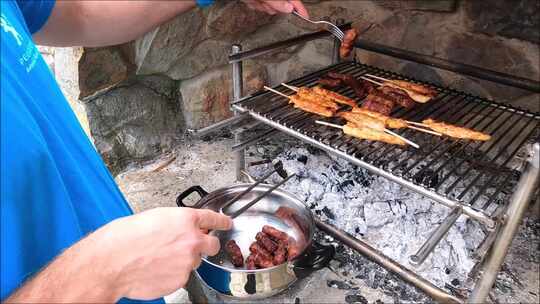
[{"x": 140, "y": 97}]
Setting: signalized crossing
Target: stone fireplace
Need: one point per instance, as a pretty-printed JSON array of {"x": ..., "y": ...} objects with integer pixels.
[{"x": 142, "y": 96}]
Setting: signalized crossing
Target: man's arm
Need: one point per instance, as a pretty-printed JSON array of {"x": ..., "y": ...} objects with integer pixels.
[
  {"x": 102, "y": 23},
  {"x": 126, "y": 258}
]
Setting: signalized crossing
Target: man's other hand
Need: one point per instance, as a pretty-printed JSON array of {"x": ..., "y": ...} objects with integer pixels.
[
  {"x": 273, "y": 7},
  {"x": 154, "y": 252}
]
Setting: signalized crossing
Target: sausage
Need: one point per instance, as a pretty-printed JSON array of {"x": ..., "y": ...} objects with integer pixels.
[
  {"x": 347, "y": 44},
  {"x": 280, "y": 256},
  {"x": 275, "y": 234},
  {"x": 234, "y": 253},
  {"x": 263, "y": 262},
  {"x": 250, "y": 262},
  {"x": 330, "y": 82},
  {"x": 265, "y": 241},
  {"x": 292, "y": 249},
  {"x": 255, "y": 248}
]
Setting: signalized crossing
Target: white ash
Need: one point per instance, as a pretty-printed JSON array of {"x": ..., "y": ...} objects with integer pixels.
[{"x": 388, "y": 216}]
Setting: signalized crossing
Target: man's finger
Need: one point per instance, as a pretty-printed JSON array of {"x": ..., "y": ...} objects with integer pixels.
[
  {"x": 299, "y": 7},
  {"x": 208, "y": 219},
  {"x": 209, "y": 245},
  {"x": 280, "y": 6}
]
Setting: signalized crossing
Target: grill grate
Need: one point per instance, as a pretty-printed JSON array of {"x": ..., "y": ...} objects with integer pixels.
[{"x": 471, "y": 174}]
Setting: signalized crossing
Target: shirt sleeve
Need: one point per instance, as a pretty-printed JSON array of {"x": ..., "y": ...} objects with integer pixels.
[{"x": 35, "y": 12}]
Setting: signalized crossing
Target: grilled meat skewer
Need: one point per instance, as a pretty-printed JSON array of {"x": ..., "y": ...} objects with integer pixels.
[
  {"x": 362, "y": 114},
  {"x": 455, "y": 131},
  {"x": 371, "y": 134}
]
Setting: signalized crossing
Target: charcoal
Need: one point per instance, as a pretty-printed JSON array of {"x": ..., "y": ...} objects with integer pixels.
[
  {"x": 328, "y": 213},
  {"x": 303, "y": 159},
  {"x": 338, "y": 284},
  {"x": 356, "y": 298}
]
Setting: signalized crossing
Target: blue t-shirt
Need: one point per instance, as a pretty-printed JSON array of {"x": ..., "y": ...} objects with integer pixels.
[{"x": 55, "y": 188}]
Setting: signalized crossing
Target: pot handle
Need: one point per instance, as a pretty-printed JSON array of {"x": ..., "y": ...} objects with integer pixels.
[
  {"x": 317, "y": 258},
  {"x": 180, "y": 199}
]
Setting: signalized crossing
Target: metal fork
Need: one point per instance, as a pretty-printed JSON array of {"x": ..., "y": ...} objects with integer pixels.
[{"x": 332, "y": 28}]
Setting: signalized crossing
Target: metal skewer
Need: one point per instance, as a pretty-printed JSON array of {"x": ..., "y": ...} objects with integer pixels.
[
  {"x": 257, "y": 199},
  {"x": 290, "y": 87},
  {"x": 277, "y": 92},
  {"x": 278, "y": 167}
]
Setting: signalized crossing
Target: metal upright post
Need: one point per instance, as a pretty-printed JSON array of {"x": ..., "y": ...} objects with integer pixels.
[
  {"x": 237, "y": 77},
  {"x": 517, "y": 207}
]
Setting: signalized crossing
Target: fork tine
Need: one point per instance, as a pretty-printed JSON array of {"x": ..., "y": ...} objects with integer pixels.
[
  {"x": 338, "y": 30},
  {"x": 337, "y": 34}
]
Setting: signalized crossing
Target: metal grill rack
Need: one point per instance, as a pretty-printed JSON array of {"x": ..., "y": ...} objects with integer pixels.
[{"x": 457, "y": 173}]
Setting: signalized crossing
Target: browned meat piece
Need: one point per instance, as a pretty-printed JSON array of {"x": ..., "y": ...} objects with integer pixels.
[
  {"x": 348, "y": 43},
  {"x": 263, "y": 262},
  {"x": 256, "y": 248},
  {"x": 378, "y": 104},
  {"x": 250, "y": 262},
  {"x": 265, "y": 242},
  {"x": 398, "y": 96},
  {"x": 280, "y": 256},
  {"x": 330, "y": 82},
  {"x": 361, "y": 88},
  {"x": 370, "y": 134},
  {"x": 275, "y": 234},
  {"x": 234, "y": 253}
]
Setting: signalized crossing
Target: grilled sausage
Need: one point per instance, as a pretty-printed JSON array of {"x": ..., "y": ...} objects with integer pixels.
[
  {"x": 275, "y": 234},
  {"x": 234, "y": 253},
  {"x": 348, "y": 43},
  {"x": 263, "y": 262},
  {"x": 292, "y": 249},
  {"x": 280, "y": 256},
  {"x": 250, "y": 262},
  {"x": 265, "y": 242},
  {"x": 255, "y": 248}
]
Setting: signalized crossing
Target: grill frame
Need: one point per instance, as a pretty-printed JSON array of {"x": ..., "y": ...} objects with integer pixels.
[{"x": 490, "y": 254}]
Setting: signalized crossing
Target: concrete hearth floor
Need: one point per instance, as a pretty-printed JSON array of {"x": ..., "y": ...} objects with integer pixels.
[{"x": 211, "y": 165}]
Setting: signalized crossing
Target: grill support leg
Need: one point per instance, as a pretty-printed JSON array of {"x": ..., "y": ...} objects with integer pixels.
[
  {"x": 237, "y": 76},
  {"x": 517, "y": 207}
]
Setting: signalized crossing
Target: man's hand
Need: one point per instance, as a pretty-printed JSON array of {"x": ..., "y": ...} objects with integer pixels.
[
  {"x": 162, "y": 245},
  {"x": 273, "y": 7},
  {"x": 144, "y": 256}
]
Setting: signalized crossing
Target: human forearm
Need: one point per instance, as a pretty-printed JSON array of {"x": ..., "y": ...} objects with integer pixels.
[
  {"x": 78, "y": 274},
  {"x": 101, "y": 23},
  {"x": 125, "y": 259}
]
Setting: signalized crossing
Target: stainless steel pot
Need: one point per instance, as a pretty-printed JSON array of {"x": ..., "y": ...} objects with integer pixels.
[{"x": 218, "y": 273}]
